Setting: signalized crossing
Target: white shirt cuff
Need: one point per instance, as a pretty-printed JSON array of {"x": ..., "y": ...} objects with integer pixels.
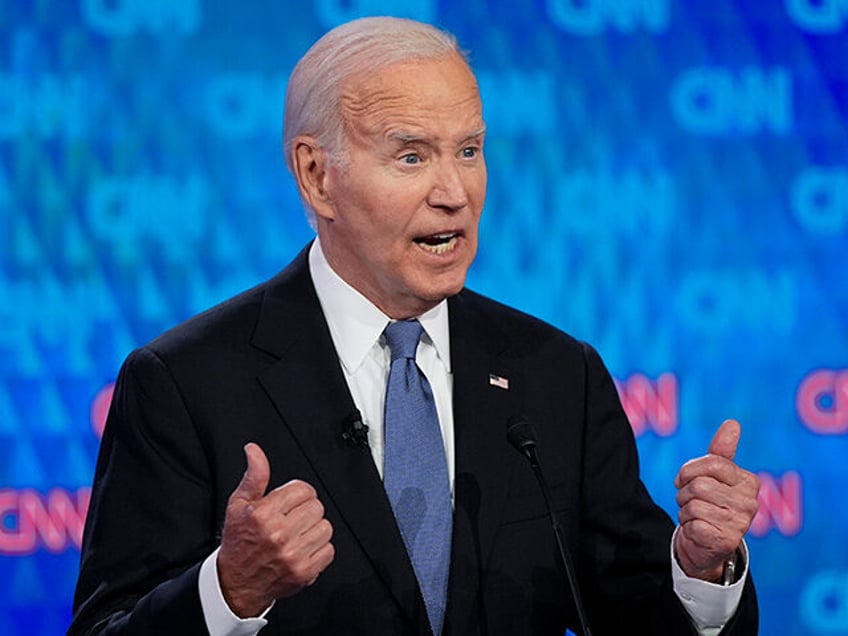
[
  {"x": 220, "y": 620},
  {"x": 710, "y": 605}
]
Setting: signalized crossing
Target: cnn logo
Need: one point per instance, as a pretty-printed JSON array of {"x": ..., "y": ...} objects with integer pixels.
[{"x": 822, "y": 401}]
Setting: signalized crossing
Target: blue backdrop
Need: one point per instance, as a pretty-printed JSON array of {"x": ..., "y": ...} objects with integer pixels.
[{"x": 668, "y": 180}]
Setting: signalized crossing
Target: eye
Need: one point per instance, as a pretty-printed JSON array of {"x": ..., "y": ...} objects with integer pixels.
[
  {"x": 411, "y": 159},
  {"x": 470, "y": 152}
]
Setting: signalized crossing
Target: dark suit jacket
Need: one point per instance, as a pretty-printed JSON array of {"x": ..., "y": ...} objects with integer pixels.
[{"x": 262, "y": 367}]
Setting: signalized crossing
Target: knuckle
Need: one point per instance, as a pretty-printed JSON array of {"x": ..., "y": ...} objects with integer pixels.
[
  {"x": 712, "y": 463},
  {"x": 303, "y": 489},
  {"x": 724, "y": 470},
  {"x": 702, "y": 529},
  {"x": 331, "y": 552},
  {"x": 302, "y": 572},
  {"x": 687, "y": 511},
  {"x": 752, "y": 508},
  {"x": 277, "y": 537},
  {"x": 698, "y": 509},
  {"x": 700, "y": 487},
  {"x": 686, "y": 471},
  {"x": 690, "y": 529},
  {"x": 314, "y": 508},
  {"x": 289, "y": 555},
  {"x": 296, "y": 490},
  {"x": 696, "y": 526}
]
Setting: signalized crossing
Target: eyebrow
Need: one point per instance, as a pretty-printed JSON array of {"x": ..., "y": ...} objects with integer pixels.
[
  {"x": 403, "y": 137},
  {"x": 407, "y": 138},
  {"x": 477, "y": 133}
]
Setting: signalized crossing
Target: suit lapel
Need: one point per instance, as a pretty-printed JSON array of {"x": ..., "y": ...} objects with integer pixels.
[
  {"x": 484, "y": 460},
  {"x": 308, "y": 389}
]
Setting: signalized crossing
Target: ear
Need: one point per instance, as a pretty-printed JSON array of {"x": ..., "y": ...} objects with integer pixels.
[{"x": 310, "y": 164}]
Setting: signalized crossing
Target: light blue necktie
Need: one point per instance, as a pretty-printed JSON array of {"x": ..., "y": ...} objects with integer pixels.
[{"x": 415, "y": 471}]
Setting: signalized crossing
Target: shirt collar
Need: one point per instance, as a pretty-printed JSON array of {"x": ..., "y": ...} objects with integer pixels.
[{"x": 356, "y": 324}]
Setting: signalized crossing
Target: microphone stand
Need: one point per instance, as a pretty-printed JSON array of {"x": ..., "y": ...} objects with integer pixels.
[{"x": 521, "y": 435}]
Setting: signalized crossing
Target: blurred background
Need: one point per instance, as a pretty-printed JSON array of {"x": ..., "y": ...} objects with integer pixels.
[{"x": 668, "y": 180}]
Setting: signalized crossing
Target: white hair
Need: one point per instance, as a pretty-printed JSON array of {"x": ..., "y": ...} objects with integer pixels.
[{"x": 367, "y": 45}]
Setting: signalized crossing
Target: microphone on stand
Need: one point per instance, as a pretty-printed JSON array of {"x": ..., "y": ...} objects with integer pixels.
[{"x": 521, "y": 434}]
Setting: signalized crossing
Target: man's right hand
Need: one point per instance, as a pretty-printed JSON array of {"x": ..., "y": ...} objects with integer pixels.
[{"x": 272, "y": 545}]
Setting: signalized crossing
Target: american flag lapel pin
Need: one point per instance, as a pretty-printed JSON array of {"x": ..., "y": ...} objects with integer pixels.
[{"x": 499, "y": 381}]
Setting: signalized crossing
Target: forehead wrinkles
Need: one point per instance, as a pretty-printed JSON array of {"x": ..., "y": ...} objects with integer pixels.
[
  {"x": 372, "y": 104},
  {"x": 366, "y": 108},
  {"x": 378, "y": 116}
]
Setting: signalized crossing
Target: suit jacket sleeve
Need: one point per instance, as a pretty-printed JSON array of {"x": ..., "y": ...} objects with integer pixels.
[
  {"x": 625, "y": 539},
  {"x": 149, "y": 524}
]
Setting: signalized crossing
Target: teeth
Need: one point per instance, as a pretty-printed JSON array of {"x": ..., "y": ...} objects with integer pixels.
[{"x": 447, "y": 244}]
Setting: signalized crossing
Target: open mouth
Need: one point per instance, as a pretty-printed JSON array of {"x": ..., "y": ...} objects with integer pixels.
[{"x": 439, "y": 243}]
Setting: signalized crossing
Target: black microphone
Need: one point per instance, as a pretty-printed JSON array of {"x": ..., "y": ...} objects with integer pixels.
[
  {"x": 521, "y": 434},
  {"x": 354, "y": 431}
]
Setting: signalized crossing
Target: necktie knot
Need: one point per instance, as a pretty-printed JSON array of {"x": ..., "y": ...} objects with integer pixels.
[{"x": 402, "y": 337}]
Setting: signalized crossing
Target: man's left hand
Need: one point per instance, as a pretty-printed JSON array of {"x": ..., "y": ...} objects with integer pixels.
[{"x": 718, "y": 501}]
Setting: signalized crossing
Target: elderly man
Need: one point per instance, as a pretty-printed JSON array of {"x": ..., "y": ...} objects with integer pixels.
[{"x": 367, "y": 393}]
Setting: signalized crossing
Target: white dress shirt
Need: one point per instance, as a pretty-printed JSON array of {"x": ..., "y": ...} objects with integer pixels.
[{"x": 356, "y": 327}]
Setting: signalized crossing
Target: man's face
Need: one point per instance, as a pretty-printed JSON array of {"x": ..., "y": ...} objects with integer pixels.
[{"x": 403, "y": 206}]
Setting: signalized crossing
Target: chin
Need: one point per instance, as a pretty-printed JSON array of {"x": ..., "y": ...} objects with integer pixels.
[
  {"x": 430, "y": 288},
  {"x": 449, "y": 288}
]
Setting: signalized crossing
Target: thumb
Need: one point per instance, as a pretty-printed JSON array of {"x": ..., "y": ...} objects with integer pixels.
[
  {"x": 254, "y": 483},
  {"x": 726, "y": 439}
]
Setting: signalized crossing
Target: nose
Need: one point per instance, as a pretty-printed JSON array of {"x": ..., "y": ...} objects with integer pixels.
[{"x": 448, "y": 191}]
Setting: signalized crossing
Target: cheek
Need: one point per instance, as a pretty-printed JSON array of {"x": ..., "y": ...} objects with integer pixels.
[
  {"x": 394, "y": 211},
  {"x": 362, "y": 209},
  {"x": 475, "y": 186},
  {"x": 481, "y": 185},
  {"x": 381, "y": 230}
]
